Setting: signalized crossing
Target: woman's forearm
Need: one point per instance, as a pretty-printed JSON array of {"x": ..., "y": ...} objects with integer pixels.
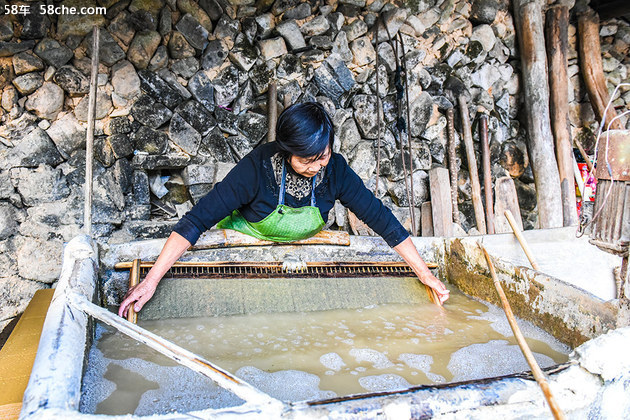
[
  {"x": 174, "y": 247},
  {"x": 407, "y": 250}
]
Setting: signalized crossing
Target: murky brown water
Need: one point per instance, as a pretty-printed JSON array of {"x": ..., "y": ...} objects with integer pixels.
[{"x": 313, "y": 355}]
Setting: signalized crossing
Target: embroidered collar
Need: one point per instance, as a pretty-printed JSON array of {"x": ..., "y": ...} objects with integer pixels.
[{"x": 296, "y": 185}]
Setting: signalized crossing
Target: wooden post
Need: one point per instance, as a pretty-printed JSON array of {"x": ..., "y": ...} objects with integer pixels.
[
  {"x": 557, "y": 25},
  {"x": 520, "y": 339},
  {"x": 272, "y": 111},
  {"x": 472, "y": 166},
  {"x": 592, "y": 70},
  {"x": 505, "y": 199},
  {"x": 452, "y": 161},
  {"x": 441, "y": 207},
  {"x": 487, "y": 173},
  {"x": 134, "y": 279},
  {"x": 529, "y": 29},
  {"x": 426, "y": 219},
  {"x": 89, "y": 141}
]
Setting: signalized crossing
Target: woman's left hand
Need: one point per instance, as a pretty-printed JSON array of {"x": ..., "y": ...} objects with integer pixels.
[{"x": 440, "y": 289}]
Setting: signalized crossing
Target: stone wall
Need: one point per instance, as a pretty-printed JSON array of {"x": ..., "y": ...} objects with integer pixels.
[{"x": 182, "y": 97}]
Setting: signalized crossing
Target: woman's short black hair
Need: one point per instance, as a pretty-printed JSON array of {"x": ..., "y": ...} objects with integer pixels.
[{"x": 304, "y": 130}]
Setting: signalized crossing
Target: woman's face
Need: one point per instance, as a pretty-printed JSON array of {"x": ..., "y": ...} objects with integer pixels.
[{"x": 309, "y": 167}]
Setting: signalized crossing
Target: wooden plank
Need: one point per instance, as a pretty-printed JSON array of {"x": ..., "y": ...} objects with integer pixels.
[
  {"x": 426, "y": 219},
  {"x": 535, "y": 92},
  {"x": 592, "y": 70},
  {"x": 472, "y": 166},
  {"x": 505, "y": 199},
  {"x": 441, "y": 206},
  {"x": 557, "y": 25},
  {"x": 227, "y": 238}
]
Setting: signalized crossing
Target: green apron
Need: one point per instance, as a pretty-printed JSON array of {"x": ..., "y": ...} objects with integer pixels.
[{"x": 284, "y": 224}]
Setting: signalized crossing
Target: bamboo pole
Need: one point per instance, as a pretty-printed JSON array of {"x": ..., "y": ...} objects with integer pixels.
[
  {"x": 557, "y": 25},
  {"x": 89, "y": 141},
  {"x": 487, "y": 173},
  {"x": 134, "y": 279},
  {"x": 520, "y": 339},
  {"x": 452, "y": 162},
  {"x": 272, "y": 111},
  {"x": 592, "y": 69},
  {"x": 174, "y": 352},
  {"x": 529, "y": 30},
  {"x": 472, "y": 166},
  {"x": 521, "y": 239}
]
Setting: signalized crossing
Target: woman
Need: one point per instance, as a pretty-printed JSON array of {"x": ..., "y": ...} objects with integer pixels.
[{"x": 282, "y": 191}]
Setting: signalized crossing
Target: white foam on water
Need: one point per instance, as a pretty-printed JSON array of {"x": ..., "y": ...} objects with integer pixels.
[
  {"x": 376, "y": 358},
  {"x": 332, "y": 361},
  {"x": 495, "y": 358},
  {"x": 285, "y": 385},
  {"x": 421, "y": 362},
  {"x": 386, "y": 382},
  {"x": 499, "y": 323}
]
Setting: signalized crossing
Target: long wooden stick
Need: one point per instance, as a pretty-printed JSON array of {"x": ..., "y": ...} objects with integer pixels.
[
  {"x": 520, "y": 339},
  {"x": 557, "y": 25},
  {"x": 472, "y": 166},
  {"x": 134, "y": 279},
  {"x": 452, "y": 162},
  {"x": 89, "y": 141},
  {"x": 592, "y": 68},
  {"x": 487, "y": 173},
  {"x": 521, "y": 239},
  {"x": 180, "y": 355}
]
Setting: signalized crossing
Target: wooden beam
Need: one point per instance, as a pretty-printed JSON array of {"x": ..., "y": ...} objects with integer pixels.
[
  {"x": 227, "y": 238},
  {"x": 592, "y": 70},
  {"x": 441, "y": 207},
  {"x": 426, "y": 219},
  {"x": 529, "y": 29},
  {"x": 557, "y": 25},
  {"x": 505, "y": 199}
]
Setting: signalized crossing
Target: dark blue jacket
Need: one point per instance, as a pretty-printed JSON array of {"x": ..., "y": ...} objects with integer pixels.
[{"x": 251, "y": 188}]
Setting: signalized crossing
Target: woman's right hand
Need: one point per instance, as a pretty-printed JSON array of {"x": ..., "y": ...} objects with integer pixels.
[{"x": 138, "y": 295}]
